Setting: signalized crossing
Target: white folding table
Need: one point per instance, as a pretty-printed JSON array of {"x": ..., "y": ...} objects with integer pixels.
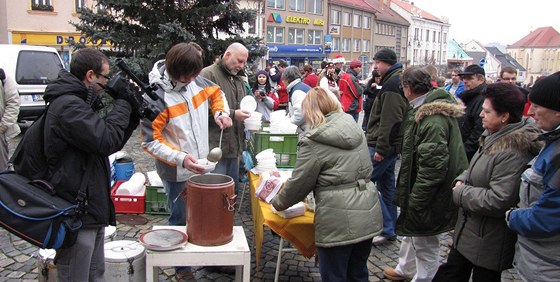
[{"x": 235, "y": 253}]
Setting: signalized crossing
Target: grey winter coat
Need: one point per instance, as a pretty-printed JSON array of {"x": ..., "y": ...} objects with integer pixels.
[
  {"x": 334, "y": 163},
  {"x": 491, "y": 188}
]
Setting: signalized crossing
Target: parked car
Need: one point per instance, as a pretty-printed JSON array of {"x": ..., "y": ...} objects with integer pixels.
[{"x": 32, "y": 68}]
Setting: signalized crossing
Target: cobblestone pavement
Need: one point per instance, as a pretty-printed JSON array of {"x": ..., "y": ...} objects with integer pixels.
[{"x": 18, "y": 259}]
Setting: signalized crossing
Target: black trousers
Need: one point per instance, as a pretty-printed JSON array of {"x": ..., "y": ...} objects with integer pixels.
[{"x": 458, "y": 268}]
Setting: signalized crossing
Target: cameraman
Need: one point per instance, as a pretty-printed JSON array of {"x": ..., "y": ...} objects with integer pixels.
[
  {"x": 178, "y": 136},
  {"x": 77, "y": 143}
]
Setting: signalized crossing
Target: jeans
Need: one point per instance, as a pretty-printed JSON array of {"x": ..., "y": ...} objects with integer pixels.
[
  {"x": 344, "y": 263},
  {"x": 458, "y": 268},
  {"x": 383, "y": 176},
  {"x": 355, "y": 115},
  {"x": 176, "y": 202},
  {"x": 229, "y": 167},
  {"x": 85, "y": 260}
]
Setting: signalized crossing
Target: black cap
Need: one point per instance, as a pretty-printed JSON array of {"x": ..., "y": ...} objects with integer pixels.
[
  {"x": 473, "y": 69},
  {"x": 386, "y": 55},
  {"x": 546, "y": 92}
]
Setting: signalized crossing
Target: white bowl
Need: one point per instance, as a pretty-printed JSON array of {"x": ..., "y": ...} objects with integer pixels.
[
  {"x": 208, "y": 166},
  {"x": 248, "y": 103}
]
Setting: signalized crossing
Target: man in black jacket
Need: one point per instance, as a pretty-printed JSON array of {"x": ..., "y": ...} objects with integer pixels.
[
  {"x": 471, "y": 123},
  {"x": 77, "y": 143}
]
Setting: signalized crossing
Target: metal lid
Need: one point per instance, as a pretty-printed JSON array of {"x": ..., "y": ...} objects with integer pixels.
[
  {"x": 122, "y": 250},
  {"x": 163, "y": 239}
]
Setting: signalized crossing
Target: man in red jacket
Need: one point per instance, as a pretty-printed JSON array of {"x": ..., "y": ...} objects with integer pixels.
[{"x": 351, "y": 91}]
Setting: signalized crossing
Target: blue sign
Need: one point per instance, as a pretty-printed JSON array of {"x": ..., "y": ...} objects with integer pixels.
[
  {"x": 328, "y": 38},
  {"x": 294, "y": 49},
  {"x": 327, "y": 50}
]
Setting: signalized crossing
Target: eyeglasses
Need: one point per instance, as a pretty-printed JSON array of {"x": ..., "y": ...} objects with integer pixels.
[{"x": 105, "y": 76}]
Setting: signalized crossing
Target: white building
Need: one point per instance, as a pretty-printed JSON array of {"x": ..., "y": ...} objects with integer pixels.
[{"x": 427, "y": 36}]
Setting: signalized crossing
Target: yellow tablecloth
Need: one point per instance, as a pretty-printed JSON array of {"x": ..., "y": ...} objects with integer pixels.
[{"x": 299, "y": 231}]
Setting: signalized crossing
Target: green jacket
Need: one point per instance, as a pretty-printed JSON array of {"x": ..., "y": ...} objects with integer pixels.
[
  {"x": 492, "y": 187},
  {"x": 334, "y": 163},
  {"x": 387, "y": 114},
  {"x": 432, "y": 156}
]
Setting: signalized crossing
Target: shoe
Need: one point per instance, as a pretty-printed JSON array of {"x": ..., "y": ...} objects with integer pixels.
[
  {"x": 185, "y": 276},
  {"x": 380, "y": 240},
  {"x": 223, "y": 269},
  {"x": 391, "y": 274}
]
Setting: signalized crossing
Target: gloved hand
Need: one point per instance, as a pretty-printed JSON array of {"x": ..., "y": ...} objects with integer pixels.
[{"x": 119, "y": 88}]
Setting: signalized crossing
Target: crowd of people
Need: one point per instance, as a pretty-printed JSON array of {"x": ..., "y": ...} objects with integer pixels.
[{"x": 477, "y": 158}]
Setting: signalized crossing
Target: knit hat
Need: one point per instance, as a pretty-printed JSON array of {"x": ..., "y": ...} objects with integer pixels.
[
  {"x": 546, "y": 92},
  {"x": 261, "y": 72},
  {"x": 338, "y": 59},
  {"x": 386, "y": 55},
  {"x": 355, "y": 64}
]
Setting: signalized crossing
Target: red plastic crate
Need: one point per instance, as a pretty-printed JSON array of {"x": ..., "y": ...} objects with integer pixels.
[{"x": 127, "y": 203}]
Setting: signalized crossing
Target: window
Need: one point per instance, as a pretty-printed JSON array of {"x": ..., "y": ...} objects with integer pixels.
[
  {"x": 357, "y": 19},
  {"x": 314, "y": 37},
  {"x": 336, "y": 44},
  {"x": 276, "y": 4},
  {"x": 356, "y": 45},
  {"x": 335, "y": 17},
  {"x": 345, "y": 44},
  {"x": 434, "y": 36},
  {"x": 346, "y": 19},
  {"x": 367, "y": 22},
  {"x": 365, "y": 46},
  {"x": 42, "y": 5},
  {"x": 274, "y": 34},
  {"x": 297, "y": 5},
  {"x": 445, "y": 37},
  {"x": 315, "y": 6},
  {"x": 427, "y": 35},
  {"x": 80, "y": 4},
  {"x": 295, "y": 35},
  {"x": 416, "y": 34}
]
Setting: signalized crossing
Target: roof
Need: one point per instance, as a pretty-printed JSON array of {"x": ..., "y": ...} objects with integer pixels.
[
  {"x": 356, "y": 4},
  {"x": 456, "y": 52},
  {"x": 476, "y": 56},
  {"x": 540, "y": 37},
  {"x": 410, "y": 8},
  {"x": 505, "y": 59},
  {"x": 386, "y": 14}
]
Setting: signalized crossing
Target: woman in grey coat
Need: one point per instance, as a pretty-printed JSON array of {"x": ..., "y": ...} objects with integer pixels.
[
  {"x": 333, "y": 162},
  {"x": 483, "y": 244}
]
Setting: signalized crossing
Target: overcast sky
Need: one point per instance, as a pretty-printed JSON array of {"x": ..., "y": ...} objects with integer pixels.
[{"x": 489, "y": 21}]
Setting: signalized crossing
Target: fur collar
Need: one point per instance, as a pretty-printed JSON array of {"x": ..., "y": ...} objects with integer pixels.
[{"x": 441, "y": 107}]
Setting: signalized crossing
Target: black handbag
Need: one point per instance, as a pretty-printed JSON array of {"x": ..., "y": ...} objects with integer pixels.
[{"x": 31, "y": 209}]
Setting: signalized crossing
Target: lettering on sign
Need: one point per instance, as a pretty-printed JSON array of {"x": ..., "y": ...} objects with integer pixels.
[
  {"x": 82, "y": 39},
  {"x": 298, "y": 20},
  {"x": 318, "y": 22}
]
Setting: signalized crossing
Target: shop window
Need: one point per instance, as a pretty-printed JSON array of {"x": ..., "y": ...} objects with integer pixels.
[
  {"x": 315, "y": 6},
  {"x": 276, "y": 4},
  {"x": 314, "y": 37},
  {"x": 295, "y": 35},
  {"x": 297, "y": 5},
  {"x": 274, "y": 34},
  {"x": 42, "y": 5}
]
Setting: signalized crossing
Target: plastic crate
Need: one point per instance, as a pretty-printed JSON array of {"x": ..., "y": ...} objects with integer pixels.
[
  {"x": 283, "y": 145},
  {"x": 127, "y": 203},
  {"x": 156, "y": 200}
]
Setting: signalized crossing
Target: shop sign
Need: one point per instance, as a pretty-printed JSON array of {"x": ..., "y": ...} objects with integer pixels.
[
  {"x": 294, "y": 49},
  {"x": 298, "y": 20},
  {"x": 53, "y": 39},
  {"x": 334, "y": 30}
]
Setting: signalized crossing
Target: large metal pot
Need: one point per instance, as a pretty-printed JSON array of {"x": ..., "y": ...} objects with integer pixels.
[{"x": 210, "y": 202}]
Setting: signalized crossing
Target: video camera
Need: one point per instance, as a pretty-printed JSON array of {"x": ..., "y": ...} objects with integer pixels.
[{"x": 120, "y": 86}]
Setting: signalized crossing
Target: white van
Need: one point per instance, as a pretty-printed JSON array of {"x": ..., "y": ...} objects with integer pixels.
[{"x": 32, "y": 68}]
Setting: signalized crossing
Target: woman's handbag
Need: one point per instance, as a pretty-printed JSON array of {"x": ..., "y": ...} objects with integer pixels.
[{"x": 32, "y": 211}]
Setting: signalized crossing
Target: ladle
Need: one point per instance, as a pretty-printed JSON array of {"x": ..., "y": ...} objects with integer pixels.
[{"x": 215, "y": 154}]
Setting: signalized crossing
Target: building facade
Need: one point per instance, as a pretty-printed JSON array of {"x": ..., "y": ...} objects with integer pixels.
[
  {"x": 295, "y": 31},
  {"x": 427, "y": 36},
  {"x": 538, "y": 53}
]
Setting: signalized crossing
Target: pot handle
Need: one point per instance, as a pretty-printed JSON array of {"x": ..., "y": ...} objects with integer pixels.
[{"x": 230, "y": 201}]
